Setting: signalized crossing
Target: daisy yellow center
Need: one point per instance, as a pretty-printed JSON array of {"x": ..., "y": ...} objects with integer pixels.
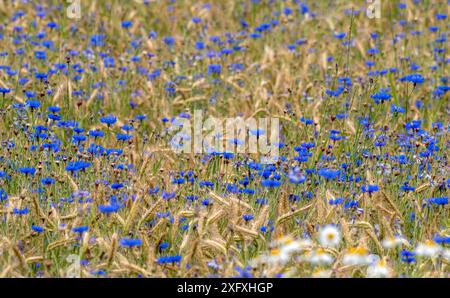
[
  {"x": 275, "y": 252},
  {"x": 320, "y": 251},
  {"x": 287, "y": 241},
  {"x": 430, "y": 243},
  {"x": 358, "y": 250}
]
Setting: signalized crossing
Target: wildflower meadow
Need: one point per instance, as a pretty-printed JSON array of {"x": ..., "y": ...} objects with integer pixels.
[{"x": 231, "y": 138}]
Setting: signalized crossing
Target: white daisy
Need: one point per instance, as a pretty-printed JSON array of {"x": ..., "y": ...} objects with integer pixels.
[
  {"x": 446, "y": 254},
  {"x": 321, "y": 273},
  {"x": 319, "y": 257},
  {"x": 356, "y": 256},
  {"x": 291, "y": 246},
  {"x": 329, "y": 236},
  {"x": 393, "y": 242},
  {"x": 379, "y": 270},
  {"x": 428, "y": 249},
  {"x": 285, "y": 247},
  {"x": 278, "y": 257}
]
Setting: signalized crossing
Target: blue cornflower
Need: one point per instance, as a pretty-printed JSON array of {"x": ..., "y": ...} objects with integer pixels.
[
  {"x": 37, "y": 229},
  {"x": 123, "y": 137},
  {"x": 440, "y": 16},
  {"x": 247, "y": 191},
  {"x": 351, "y": 204},
  {"x": 168, "y": 195},
  {"x": 152, "y": 191},
  {"x": 244, "y": 272},
  {"x": 438, "y": 201},
  {"x": 287, "y": 11},
  {"x": 296, "y": 176},
  {"x": 414, "y": 124},
  {"x": 117, "y": 185},
  {"x": 22, "y": 81},
  {"x": 307, "y": 121},
  {"x": 54, "y": 117},
  {"x": 373, "y": 51},
  {"x": 127, "y": 24},
  {"x": 76, "y": 166},
  {"x": 407, "y": 187},
  {"x": 370, "y": 63},
  {"x": 99, "y": 272},
  {"x": 52, "y": 25},
  {"x": 196, "y": 20},
  {"x": 30, "y": 94},
  {"x": 127, "y": 127},
  {"x": 108, "y": 209},
  {"x": 329, "y": 174},
  {"x": 80, "y": 229},
  {"x": 247, "y": 217},
  {"x": 206, "y": 184},
  {"x": 140, "y": 117},
  {"x": 199, "y": 45},
  {"x": 23, "y": 211},
  {"x": 262, "y": 201},
  {"x": 413, "y": 78},
  {"x": 336, "y": 201},
  {"x": 169, "y": 40},
  {"x": 109, "y": 62},
  {"x": 41, "y": 76},
  {"x": 397, "y": 109},
  {"x": 78, "y": 138},
  {"x": 178, "y": 180},
  {"x": 3, "y": 195},
  {"x": 408, "y": 256},
  {"x": 3, "y": 175},
  {"x": 345, "y": 81},
  {"x": 27, "y": 171},
  {"x": 370, "y": 188},
  {"x": 214, "y": 69},
  {"x": 130, "y": 242},
  {"x": 164, "y": 245},
  {"x": 335, "y": 93},
  {"x": 5, "y": 91},
  {"x": 206, "y": 202},
  {"x": 96, "y": 133},
  {"x": 340, "y": 35},
  {"x": 33, "y": 104},
  {"x": 192, "y": 198},
  {"x": 42, "y": 55},
  {"x": 270, "y": 183},
  {"x": 97, "y": 40},
  {"x": 48, "y": 181},
  {"x": 169, "y": 259},
  {"x": 108, "y": 120},
  {"x": 441, "y": 239},
  {"x": 54, "y": 109},
  {"x": 381, "y": 97}
]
